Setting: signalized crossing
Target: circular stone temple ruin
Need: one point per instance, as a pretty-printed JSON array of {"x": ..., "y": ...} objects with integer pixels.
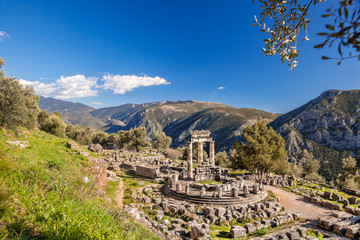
[{"x": 186, "y": 185}]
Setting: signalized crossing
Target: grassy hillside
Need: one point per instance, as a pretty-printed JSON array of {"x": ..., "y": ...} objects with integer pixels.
[{"x": 42, "y": 195}]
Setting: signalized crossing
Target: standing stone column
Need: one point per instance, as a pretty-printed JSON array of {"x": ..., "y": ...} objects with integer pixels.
[
  {"x": 190, "y": 161},
  {"x": 178, "y": 187},
  {"x": 220, "y": 192},
  {"x": 187, "y": 189},
  {"x": 200, "y": 152},
  {"x": 234, "y": 192},
  {"x": 175, "y": 178},
  {"x": 202, "y": 191},
  {"x": 245, "y": 191},
  {"x": 212, "y": 153}
]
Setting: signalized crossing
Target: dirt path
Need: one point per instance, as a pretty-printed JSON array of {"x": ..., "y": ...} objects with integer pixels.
[
  {"x": 119, "y": 197},
  {"x": 294, "y": 203}
]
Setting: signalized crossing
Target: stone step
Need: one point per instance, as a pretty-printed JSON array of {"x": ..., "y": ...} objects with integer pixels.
[{"x": 214, "y": 201}]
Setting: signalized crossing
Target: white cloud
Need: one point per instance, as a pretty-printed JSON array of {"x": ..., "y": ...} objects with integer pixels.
[
  {"x": 77, "y": 86},
  {"x": 3, "y": 35},
  {"x": 120, "y": 84},
  {"x": 97, "y": 103},
  {"x": 221, "y": 88},
  {"x": 42, "y": 89}
]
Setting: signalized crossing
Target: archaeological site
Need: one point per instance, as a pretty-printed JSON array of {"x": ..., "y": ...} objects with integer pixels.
[{"x": 178, "y": 199}]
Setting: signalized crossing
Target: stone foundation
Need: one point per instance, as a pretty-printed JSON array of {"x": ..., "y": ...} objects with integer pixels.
[{"x": 211, "y": 200}]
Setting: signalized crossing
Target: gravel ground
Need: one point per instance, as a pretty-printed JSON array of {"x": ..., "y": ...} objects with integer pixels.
[{"x": 294, "y": 203}]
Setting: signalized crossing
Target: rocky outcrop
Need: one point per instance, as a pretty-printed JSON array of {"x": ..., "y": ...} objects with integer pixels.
[
  {"x": 95, "y": 147},
  {"x": 331, "y": 120}
]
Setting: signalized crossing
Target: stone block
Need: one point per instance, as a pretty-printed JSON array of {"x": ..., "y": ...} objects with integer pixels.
[
  {"x": 336, "y": 197},
  {"x": 182, "y": 210},
  {"x": 352, "y": 200},
  {"x": 327, "y": 195},
  {"x": 329, "y": 223},
  {"x": 296, "y": 216},
  {"x": 199, "y": 231},
  {"x": 208, "y": 211},
  {"x": 266, "y": 222},
  {"x": 315, "y": 200},
  {"x": 349, "y": 209},
  {"x": 292, "y": 235},
  {"x": 352, "y": 231},
  {"x": 220, "y": 211},
  {"x": 301, "y": 231},
  {"x": 249, "y": 228},
  {"x": 340, "y": 227},
  {"x": 237, "y": 231},
  {"x": 307, "y": 198},
  {"x": 357, "y": 211},
  {"x": 212, "y": 218},
  {"x": 282, "y": 236}
]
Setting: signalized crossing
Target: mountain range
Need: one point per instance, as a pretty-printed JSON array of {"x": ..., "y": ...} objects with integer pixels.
[
  {"x": 328, "y": 126},
  {"x": 175, "y": 118}
]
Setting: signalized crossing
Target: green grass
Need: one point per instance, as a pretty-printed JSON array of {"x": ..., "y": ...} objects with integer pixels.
[
  {"x": 209, "y": 182},
  {"x": 42, "y": 195},
  {"x": 315, "y": 188},
  {"x": 314, "y": 233},
  {"x": 219, "y": 232},
  {"x": 131, "y": 183},
  {"x": 239, "y": 172},
  {"x": 260, "y": 232}
]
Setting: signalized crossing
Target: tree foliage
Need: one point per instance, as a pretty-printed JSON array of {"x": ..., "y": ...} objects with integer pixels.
[
  {"x": 86, "y": 135},
  {"x": 311, "y": 168},
  {"x": 54, "y": 125},
  {"x": 222, "y": 159},
  {"x": 282, "y": 22},
  {"x": 161, "y": 141},
  {"x": 18, "y": 103},
  {"x": 262, "y": 150},
  {"x": 135, "y": 138},
  {"x": 350, "y": 176}
]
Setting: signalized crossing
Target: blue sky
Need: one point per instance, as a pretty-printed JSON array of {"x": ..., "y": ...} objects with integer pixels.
[{"x": 107, "y": 53}]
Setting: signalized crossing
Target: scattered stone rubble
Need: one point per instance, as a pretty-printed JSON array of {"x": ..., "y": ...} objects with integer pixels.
[
  {"x": 341, "y": 223},
  {"x": 21, "y": 144}
]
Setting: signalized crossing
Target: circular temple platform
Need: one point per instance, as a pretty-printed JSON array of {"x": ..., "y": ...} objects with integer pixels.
[{"x": 210, "y": 200}]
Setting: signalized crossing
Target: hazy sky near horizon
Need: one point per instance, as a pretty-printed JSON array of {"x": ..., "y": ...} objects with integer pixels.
[{"x": 108, "y": 53}]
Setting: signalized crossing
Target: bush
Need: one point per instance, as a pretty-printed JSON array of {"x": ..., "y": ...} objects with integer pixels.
[{"x": 54, "y": 125}]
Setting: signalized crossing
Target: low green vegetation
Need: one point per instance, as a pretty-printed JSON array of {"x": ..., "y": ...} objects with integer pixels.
[
  {"x": 209, "y": 182},
  {"x": 132, "y": 183},
  {"x": 239, "y": 172},
  {"x": 314, "y": 233},
  {"x": 260, "y": 232},
  {"x": 42, "y": 194}
]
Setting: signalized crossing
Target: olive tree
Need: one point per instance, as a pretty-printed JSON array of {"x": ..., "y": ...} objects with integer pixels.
[
  {"x": 18, "y": 103},
  {"x": 161, "y": 141},
  {"x": 282, "y": 22}
]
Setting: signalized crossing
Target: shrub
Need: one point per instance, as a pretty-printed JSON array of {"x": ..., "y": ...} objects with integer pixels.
[{"x": 54, "y": 125}]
